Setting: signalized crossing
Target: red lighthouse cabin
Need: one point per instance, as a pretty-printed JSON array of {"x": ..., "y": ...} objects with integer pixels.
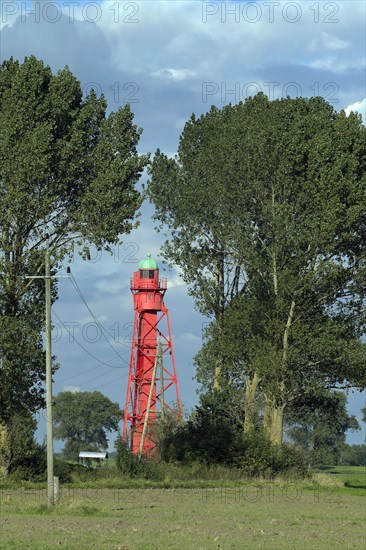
[{"x": 147, "y": 289}]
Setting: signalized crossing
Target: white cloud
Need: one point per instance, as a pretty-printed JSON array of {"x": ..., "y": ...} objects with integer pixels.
[
  {"x": 9, "y": 14},
  {"x": 72, "y": 389},
  {"x": 174, "y": 280},
  {"x": 337, "y": 65},
  {"x": 175, "y": 74},
  {"x": 359, "y": 107},
  {"x": 333, "y": 42},
  {"x": 328, "y": 41},
  {"x": 189, "y": 338}
]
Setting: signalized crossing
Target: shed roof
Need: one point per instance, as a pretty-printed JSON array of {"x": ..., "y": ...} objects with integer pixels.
[{"x": 92, "y": 454}]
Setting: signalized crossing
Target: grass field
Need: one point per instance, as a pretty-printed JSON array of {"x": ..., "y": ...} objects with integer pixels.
[{"x": 243, "y": 515}]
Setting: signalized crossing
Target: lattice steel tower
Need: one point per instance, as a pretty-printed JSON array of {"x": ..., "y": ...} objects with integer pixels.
[{"x": 151, "y": 317}]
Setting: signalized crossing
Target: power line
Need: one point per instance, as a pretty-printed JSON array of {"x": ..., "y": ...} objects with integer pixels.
[
  {"x": 77, "y": 288},
  {"x": 84, "y": 371},
  {"x": 96, "y": 377},
  {"x": 88, "y": 352},
  {"x": 114, "y": 380}
]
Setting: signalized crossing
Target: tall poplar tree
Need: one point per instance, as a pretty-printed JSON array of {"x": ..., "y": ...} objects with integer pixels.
[
  {"x": 67, "y": 169},
  {"x": 283, "y": 184}
]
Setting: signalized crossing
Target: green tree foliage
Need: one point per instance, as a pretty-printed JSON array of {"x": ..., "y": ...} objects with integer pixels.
[
  {"x": 363, "y": 414},
  {"x": 363, "y": 410},
  {"x": 353, "y": 455},
  {"x": 213, "y": 435},
  {"x": 83, "y": 420},
  {"x": 20, "y": 454},
  {"x": 265, "y": 205},
  {"x": 318, "y": 424},
  {"x": 69, "y": 170}
]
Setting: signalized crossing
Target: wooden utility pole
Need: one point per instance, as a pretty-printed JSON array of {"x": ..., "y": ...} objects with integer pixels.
[
  {"x": 49, "y": 424},
  {"x": 47, "y": 279},
  {"x": 144, "y": 429}
]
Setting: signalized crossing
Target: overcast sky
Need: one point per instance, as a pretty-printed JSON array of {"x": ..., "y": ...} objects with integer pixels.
[{"x": 169, "y": 59}]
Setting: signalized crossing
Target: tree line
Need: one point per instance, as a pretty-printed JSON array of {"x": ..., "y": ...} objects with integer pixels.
[{"x": 265, "y": 208}]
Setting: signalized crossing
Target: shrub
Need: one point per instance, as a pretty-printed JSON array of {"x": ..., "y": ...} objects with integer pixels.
[
  {"x": 259, "y": 458},
  {"x": 290, "y": 461},
  {"x": 63, "y": 471},
  {"x": 132, "y": 465},
  {"x": 32, "y": 465},
  {"x": 256, "y": 455}
]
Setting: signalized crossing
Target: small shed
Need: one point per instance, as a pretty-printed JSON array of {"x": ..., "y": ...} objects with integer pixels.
[{"x": 87, "y": 457}]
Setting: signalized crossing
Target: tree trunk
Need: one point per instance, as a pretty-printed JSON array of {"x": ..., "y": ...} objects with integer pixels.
[
  {"x": 276, "y": 431},
  {"x": 273, "y": 421},
  {"x": 267, "y": 416},
  {"x": 217, "y": 375},
  {"x": 6, "y": 455},
  {"x": 220, "y": 281},
  {"x": 277, "y": 424},
  {"x": 249, "y": 406}
]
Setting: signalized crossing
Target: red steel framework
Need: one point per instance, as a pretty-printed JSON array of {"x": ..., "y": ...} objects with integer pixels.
[{"x": 150, "y": 313}]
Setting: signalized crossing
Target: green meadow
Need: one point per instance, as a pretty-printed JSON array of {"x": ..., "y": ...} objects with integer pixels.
[{"x": 325, "y": 511}]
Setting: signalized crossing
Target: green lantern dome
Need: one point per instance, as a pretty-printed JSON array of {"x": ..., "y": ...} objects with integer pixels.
[{"x": 148, "y": 263}]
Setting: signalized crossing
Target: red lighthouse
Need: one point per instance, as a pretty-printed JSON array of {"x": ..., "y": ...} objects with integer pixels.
[{"x": 147, "y": 385}]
